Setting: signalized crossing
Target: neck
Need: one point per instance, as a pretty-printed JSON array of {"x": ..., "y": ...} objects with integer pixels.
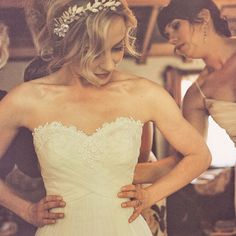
[
  {"x": 64, "y": 76},
  {"x": 218, "y": 52}
]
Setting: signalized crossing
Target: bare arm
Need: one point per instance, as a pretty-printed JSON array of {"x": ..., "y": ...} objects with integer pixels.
[
  {"x": 12, "y": 117},
  {"x": 194, "y": 110},
  {"x": 195, "y": 113},
  {"x": 184, "y": 138},
  {"x": 150, "y": 172}
]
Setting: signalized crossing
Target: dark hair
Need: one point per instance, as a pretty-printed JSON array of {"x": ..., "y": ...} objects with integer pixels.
[
  {"x": 189, "y": 10},
  {"x": 35, "y": 15}
]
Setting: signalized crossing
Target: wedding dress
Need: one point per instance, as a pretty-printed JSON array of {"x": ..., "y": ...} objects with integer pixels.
[{"x": 88, "y": 172}]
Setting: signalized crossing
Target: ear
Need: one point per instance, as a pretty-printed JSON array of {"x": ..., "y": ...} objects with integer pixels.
[{"x": 204, "y": 15}]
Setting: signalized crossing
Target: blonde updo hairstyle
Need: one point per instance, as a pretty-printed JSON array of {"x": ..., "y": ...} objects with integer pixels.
[
  {"x": 85, "y": 40},
  {"x": 4, "y": 44}
]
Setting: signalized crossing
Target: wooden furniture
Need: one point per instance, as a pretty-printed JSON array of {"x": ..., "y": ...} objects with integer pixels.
[
  {"x": 155, "y": 5},
  {"x": 26, "y": 50},
  {"x": 22, "y": 46}
]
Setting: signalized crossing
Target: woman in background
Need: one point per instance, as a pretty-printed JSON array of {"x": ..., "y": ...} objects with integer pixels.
[
  {"x": 87, "y": 119},
  {"x": 198, "y": 31}
]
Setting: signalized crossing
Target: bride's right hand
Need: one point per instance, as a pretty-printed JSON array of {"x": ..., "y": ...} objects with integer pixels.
[{"x": 38, "y": 214}]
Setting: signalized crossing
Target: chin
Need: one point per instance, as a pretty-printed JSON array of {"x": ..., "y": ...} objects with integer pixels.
[{"x": 189, "y": 54}]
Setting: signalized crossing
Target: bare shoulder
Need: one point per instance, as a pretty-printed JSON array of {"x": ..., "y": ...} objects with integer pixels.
[
  {"x": 22, "y": 99},
  {"x": 142, "y": 86},
  {"x": 193, "y": 97},
  {"x": 24, "y": 93},
  {"x": 17, "y": 104}
]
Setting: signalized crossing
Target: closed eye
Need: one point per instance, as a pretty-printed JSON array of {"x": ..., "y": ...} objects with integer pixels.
[
  {"x": 119, "y": 47},
  {"x": 176, "y": 25}
]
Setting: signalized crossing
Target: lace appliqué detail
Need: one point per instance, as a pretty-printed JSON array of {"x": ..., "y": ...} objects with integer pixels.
[{"x": 90, "y": 147}]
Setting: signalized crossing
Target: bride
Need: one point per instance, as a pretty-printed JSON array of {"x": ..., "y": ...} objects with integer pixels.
[{"x": 86, "y": 118}]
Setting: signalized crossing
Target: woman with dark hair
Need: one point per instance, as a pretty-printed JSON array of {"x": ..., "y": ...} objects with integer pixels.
[
  {"x": 87, "y": 120},
  {"x": 197, "y": 30}
]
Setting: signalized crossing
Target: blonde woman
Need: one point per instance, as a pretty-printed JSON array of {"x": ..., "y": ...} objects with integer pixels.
[{"x": 87, "y": 120}]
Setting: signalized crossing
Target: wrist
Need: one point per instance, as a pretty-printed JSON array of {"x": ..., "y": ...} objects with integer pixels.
[
  {"x": 25, "y": 212},
  {"x": 153, "y": 195}
]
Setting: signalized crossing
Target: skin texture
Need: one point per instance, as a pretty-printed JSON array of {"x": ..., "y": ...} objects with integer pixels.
[
  {"x": 65, "y": 97},
  {"x": 217, "y": 80}
]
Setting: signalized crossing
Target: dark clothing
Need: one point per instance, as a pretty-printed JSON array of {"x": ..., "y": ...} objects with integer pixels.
[
  {"x": 21, "y": 152},
  {"x": 36, "y": 69}
]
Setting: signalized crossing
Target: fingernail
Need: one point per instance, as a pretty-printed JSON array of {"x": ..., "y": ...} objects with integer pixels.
[
  {"x": 61, "y": 215},
  {"x": 59, "y": 198},
  {"x": 123, "y": 205},
  {"x": 62, "y": 203},
  {"x": 119, "y": 194}
]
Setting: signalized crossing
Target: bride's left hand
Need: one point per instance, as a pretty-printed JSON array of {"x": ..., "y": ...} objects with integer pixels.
[{"x": 140, "y": 199}]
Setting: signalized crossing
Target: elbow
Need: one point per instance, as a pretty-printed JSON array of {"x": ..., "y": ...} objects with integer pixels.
[{"x": 207, "y": 158}]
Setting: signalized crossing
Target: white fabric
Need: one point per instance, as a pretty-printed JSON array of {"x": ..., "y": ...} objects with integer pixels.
[
  {"x": 224, "y": 114},
  {"x": 88, "y": 171}
]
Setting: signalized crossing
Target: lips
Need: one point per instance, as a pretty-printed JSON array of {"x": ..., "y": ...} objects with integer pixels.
[
  {"x": 178, "y": 47},
  {"x": 103, "y": 76}
]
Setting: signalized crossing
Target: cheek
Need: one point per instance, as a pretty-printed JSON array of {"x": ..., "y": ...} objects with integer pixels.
[
  {"x": 95, "y": 64},
  {"x": 118, "y": 57},
  {"x": 196, "y": 36},
  {"x": 187, "y": 34}
]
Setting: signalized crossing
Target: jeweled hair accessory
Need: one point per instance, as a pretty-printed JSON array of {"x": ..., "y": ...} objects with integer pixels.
[{"x": 76, "y": 12}]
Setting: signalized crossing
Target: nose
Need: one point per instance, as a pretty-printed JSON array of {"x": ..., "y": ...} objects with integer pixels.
[
  {"x": 173, "y": 40},
  {"x": 108, "y": 62}
]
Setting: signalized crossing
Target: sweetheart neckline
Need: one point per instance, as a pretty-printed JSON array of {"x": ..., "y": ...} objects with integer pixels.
[{"x": 80, "y": 131}]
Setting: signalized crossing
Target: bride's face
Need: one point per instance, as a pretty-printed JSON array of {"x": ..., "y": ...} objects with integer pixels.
[{"x": 104, "y": 64}]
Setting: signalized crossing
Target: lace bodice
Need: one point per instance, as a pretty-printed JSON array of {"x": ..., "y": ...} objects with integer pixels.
[
  {"x": 88, "y": 172},
  {"x": 69, "y": 157}
]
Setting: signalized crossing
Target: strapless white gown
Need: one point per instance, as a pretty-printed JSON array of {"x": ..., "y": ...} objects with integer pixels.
[{"x": 88, "y": 171}]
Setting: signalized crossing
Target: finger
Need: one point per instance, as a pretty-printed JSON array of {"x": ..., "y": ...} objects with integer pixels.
[
  {"x": 133, "y": 203},
  {"x": 129, "y": 187},
  {"x": 48, "y": 222},
  {"x": 53, "y": 216},
  {"x": 129, "y": 194},
  {"x": 135, "y": 215},
  {"x": 49, "y": 198},
  {"x": 53, "y": 204}
]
